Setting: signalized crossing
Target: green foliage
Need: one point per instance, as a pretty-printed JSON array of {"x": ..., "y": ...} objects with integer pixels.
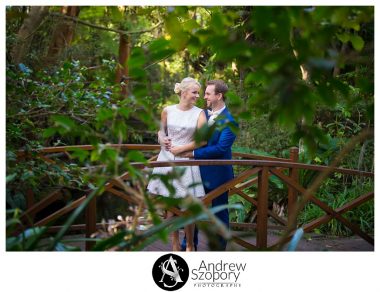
[
  {"x": 253, "y": 136},
  {"x": 331, "y": 194},
  {"x": 258, "y": 51}
]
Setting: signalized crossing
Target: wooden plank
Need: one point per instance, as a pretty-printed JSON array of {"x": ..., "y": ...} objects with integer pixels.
[
  {"x": 153, "y": 158},
  {"x": 347, "y": 207},
  {"x": 54, "y": 196},
  {"x": 262, "y": 208},
  {"x": 90, "y": 221},
  {"x": 277, "y": 162},
  {"x": 226, "y": 186},
  {"x": 244, "y": 243},
  {"x": 247, "y": 184},
  {"x": 259, "y": 157},
  {"x": 117, "y": 182},
  {"x": 29, "y": 199},
  {"x": 142, "y": 147},
  {"x": 326, "y": 218},
  {"x": 254, "y": 202},
  {"x": 253, "y": 226},
  {"x": 61, "y": 212},
  {"x": 253, "y": 163},
  {"x": 123, "y": 195},
  {"x": 124, "y": 176},
  {"x": 326, "y": 208},
  {"x": 46, "y": 159},
  {"x": 292, "y": 192}
]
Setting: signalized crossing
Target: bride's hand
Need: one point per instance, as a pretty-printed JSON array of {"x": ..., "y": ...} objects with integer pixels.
[{"x": 175, "y": 150}]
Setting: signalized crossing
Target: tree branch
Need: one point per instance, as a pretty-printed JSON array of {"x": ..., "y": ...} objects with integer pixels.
[{"x": 77, "y": 20}]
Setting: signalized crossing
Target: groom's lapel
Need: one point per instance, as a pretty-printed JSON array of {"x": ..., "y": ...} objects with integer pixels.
[
  {"x": 222, "y": 117},
  {"x": 215, "y": 135},
  {"x": 225, "y": 112},
  {"x": 207, "y": 116}
]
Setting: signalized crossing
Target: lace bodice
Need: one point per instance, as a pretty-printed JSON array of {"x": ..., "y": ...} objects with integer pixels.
[{"x": 182, "y": 124}]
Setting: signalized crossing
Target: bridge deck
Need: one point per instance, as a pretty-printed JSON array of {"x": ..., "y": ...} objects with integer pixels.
[{"x": 310, "y": 242}]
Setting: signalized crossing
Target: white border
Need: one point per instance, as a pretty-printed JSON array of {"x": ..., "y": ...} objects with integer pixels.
[{"x": 124, "y": 271}]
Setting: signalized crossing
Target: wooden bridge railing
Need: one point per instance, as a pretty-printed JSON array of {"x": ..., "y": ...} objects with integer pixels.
[{"x": 259, "y": 169}]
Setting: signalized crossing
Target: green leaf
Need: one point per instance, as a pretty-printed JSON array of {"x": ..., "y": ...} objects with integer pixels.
[
  {"x": 190, "y": 25},
  {"x": 179, "y": 38},
  {"x": 48, "y": 132},
  {"x": 63, "y": 247},
  {"x": 110, "y": 242},
  {"x": 79, "y": 153},
  {"x": 116, "y": 13},
  {"x": 64, "y": 122},
  {"x": 344, "y": 37},
  {"x": 104, "y": 114},
  {"x": 136, "y": 156},
  {"x": 234, "y": 99},
  {"x": 10, "y": 177},
  {"x": 357, "y": 42},
  {"x": 125, "y": 112},
  {"x": 159, "y": 49},
  {"x": 95, "y": 155},
  {"x": 137, "y": 58}
]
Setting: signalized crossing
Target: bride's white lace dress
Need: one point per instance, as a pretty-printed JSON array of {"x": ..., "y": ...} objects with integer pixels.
[{"x": 181, "y": 126}]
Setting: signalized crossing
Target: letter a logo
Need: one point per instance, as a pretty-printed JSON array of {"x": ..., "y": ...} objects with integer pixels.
[{"x": 170, "y": 272}]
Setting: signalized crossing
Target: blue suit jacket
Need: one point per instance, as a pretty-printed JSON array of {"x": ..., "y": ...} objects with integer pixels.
[{"x": 218, "y": 147}]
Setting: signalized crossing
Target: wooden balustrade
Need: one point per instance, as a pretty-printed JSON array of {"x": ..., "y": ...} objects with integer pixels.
[{"x": 259, "y": 169}]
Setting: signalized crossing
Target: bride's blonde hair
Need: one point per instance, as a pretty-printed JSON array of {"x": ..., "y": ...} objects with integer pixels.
[{"x": 185, "y": 84}]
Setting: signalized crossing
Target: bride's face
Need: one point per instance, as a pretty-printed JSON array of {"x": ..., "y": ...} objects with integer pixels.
[{"x": 191, "y": 95}]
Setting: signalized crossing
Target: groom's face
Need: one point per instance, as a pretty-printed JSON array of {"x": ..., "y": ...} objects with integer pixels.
[{"x": 211, "y": 98}]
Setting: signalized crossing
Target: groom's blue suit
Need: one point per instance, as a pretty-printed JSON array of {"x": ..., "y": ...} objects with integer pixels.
[{"x": 218, "y": 147}]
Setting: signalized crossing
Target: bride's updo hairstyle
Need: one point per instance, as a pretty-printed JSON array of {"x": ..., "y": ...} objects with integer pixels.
[{"x": 185, "y": 84}]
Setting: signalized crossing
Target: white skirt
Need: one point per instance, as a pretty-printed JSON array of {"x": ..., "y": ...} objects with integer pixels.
[{"x": 189, "y": 184}]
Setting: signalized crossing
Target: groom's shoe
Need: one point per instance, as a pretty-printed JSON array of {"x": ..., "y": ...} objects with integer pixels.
[{"x": 183, "y": 243}]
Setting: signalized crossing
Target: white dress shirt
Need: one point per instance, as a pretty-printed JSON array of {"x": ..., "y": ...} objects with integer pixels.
[{"x": 213, "y": 115}]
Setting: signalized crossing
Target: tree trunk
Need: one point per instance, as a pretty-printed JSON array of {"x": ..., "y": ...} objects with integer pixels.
[
  {"x": 122, "y": 68},
  {"x": 186, "y": 62},
  {"x": 25, "y": 34},
  {"x": 63, "y": 34}
]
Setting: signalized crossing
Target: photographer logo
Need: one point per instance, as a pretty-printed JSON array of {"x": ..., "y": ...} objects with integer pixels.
[{"x": 170, "y": 272}]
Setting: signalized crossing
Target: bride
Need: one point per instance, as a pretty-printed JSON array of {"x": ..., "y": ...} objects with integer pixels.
[{"x": 178, "y": 125}]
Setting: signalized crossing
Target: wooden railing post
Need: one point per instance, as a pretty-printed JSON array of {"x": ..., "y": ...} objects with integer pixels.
[
  {"x": 90, "y": 222},
  {"x": 292, "y": 193},
  {"x": 262, "y": 208},
  {"x": 29, "y": 204}
]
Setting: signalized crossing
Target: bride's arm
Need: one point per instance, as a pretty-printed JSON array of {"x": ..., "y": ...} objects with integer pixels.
[
  {"x": 193, "y": 145},
  {"x": 163, "y": 139}
]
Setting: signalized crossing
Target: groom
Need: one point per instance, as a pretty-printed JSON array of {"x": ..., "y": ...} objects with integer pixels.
[{"x": 218, "y": 147}]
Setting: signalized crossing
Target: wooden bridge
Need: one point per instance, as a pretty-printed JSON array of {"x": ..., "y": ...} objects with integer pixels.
[{"x": 257, "y": 171}]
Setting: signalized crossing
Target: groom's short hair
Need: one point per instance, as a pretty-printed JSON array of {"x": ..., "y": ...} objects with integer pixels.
[{"x": 220, "y": 87}]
